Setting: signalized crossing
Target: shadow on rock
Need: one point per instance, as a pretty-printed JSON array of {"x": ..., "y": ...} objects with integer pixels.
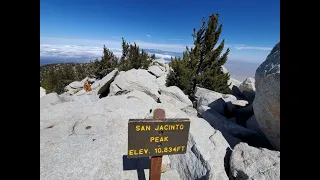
[
  {"x": 233, "y": 132},
  {"x": 242, "y": 114},
  {"x": 227, "y": 160},
  {"x": 139, "y": 164},
  {"x": 240, "y": 176}
]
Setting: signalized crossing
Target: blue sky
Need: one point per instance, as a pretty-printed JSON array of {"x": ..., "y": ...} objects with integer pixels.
[{"x": 250, "y": 28}]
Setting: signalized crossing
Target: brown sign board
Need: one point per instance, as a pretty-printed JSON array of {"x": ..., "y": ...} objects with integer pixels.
[{"x": 150, "y": 137}]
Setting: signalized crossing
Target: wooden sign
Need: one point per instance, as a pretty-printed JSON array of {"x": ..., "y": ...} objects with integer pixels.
[{"x": 157, "y": 137}]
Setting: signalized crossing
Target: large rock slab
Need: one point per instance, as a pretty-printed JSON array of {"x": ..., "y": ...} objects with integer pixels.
[
  {"x": 247, "y": 88},
  {"x": 240, "y": 103},
  {"x": 214, "y": 100},
  {"x": 229, "y": 101},
  {"x": 231, "y": 131},
  {"x": 96, "y": 84},
  {"x": 162, "y": 64},
  {"x": 89, "y": 141},
  {"x": 161, "y": 81},
  {"x": 170, "y": 175},
  {"x": 205, "y": 156},
  {"x": 75, "y": 85},
  {"x": 209, "y": 98},
  {"x": 88, "y": 79},
  {"x": 233, "y": 82},
  {"x": 252, "y": 124},
  {"x": 270, "y": 66},
  {"x": 135, "y": 79},
  {"x": 106, "y": 81},
  {"x": 248, "y": 85},
  {"x": 175, "y": 96},
  {"x": 207, "y": 95},
  {"x": 80, "y": 93},
  {"x": 248, "y": 162},
  {"x": 42, "y": 92},
  {"x": 173, "y": 101},
  {"x": 217, "y": 105},
  {"x": 190, "y": 111},
  {"x": 243, "y": 113},
  {"x": 49, "y": 100},
  {"x": 260, "y": 139},
  {"x": 229, "y": 97},
  {"x": 85, "y": 99},
  {"x": 65, "y": 97},
  {"x": 156, "y": 71},
  {"x": 266, "y": 104},
  {"x": 72, "y": 91}
]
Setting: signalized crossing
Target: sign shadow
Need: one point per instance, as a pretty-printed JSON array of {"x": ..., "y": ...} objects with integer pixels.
[{"x": 139, "y": 164}]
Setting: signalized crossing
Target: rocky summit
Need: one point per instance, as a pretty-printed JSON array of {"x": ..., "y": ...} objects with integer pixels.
[{"x": 84, "y": 134}]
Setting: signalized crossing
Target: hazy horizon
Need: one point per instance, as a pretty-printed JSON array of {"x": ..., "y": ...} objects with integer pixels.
[{"x": 239, "y": 70}]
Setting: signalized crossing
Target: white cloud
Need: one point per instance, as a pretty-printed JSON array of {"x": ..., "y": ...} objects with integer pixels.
[
  {"x": 253, "y": 48},
  {"x": 142, "y": 44},
  {"x": 245, "y": 47},
  {"x": 162, "y": 56},
  {"x": 165, "y": 47},
  {"x": 85, "y": 53},
  {"x": 84, "y": 42},
  {"x": 79, "y": 53},
  {"x": 238, "y": 64},
  {"x": 112, "y": 43},
  {"x": 175, "y": 39},
  {"x": 85, "y": 50},
  {"x": 148, "y": 35}
]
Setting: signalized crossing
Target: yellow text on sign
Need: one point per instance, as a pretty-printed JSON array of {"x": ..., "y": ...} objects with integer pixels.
[
  {"x": 159, "y": 139},
  {"x": 142, "y": 128},
  {"x": 138, "y": 152},
  {"x": 166, "y": 127},
  {"x": 170, "y": 149}
]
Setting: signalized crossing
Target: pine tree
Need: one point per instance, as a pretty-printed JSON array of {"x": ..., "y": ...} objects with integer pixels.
[
  {"x": 80, "y": 72},
  {"x": 181, "y": 75},
  {"x": 109, "y": 61},
  {"x": 55, "y": 81},
  {"x": 145, "y": 59},
  {"x": 202, "y": 63},
  {"x": 133, "y": 58},
  {"x": 124, "y": 64},
  {"x": 97, "y": 68},
  {"x": 153, "y": 57},
  {"x": 47, "y": 81}
]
